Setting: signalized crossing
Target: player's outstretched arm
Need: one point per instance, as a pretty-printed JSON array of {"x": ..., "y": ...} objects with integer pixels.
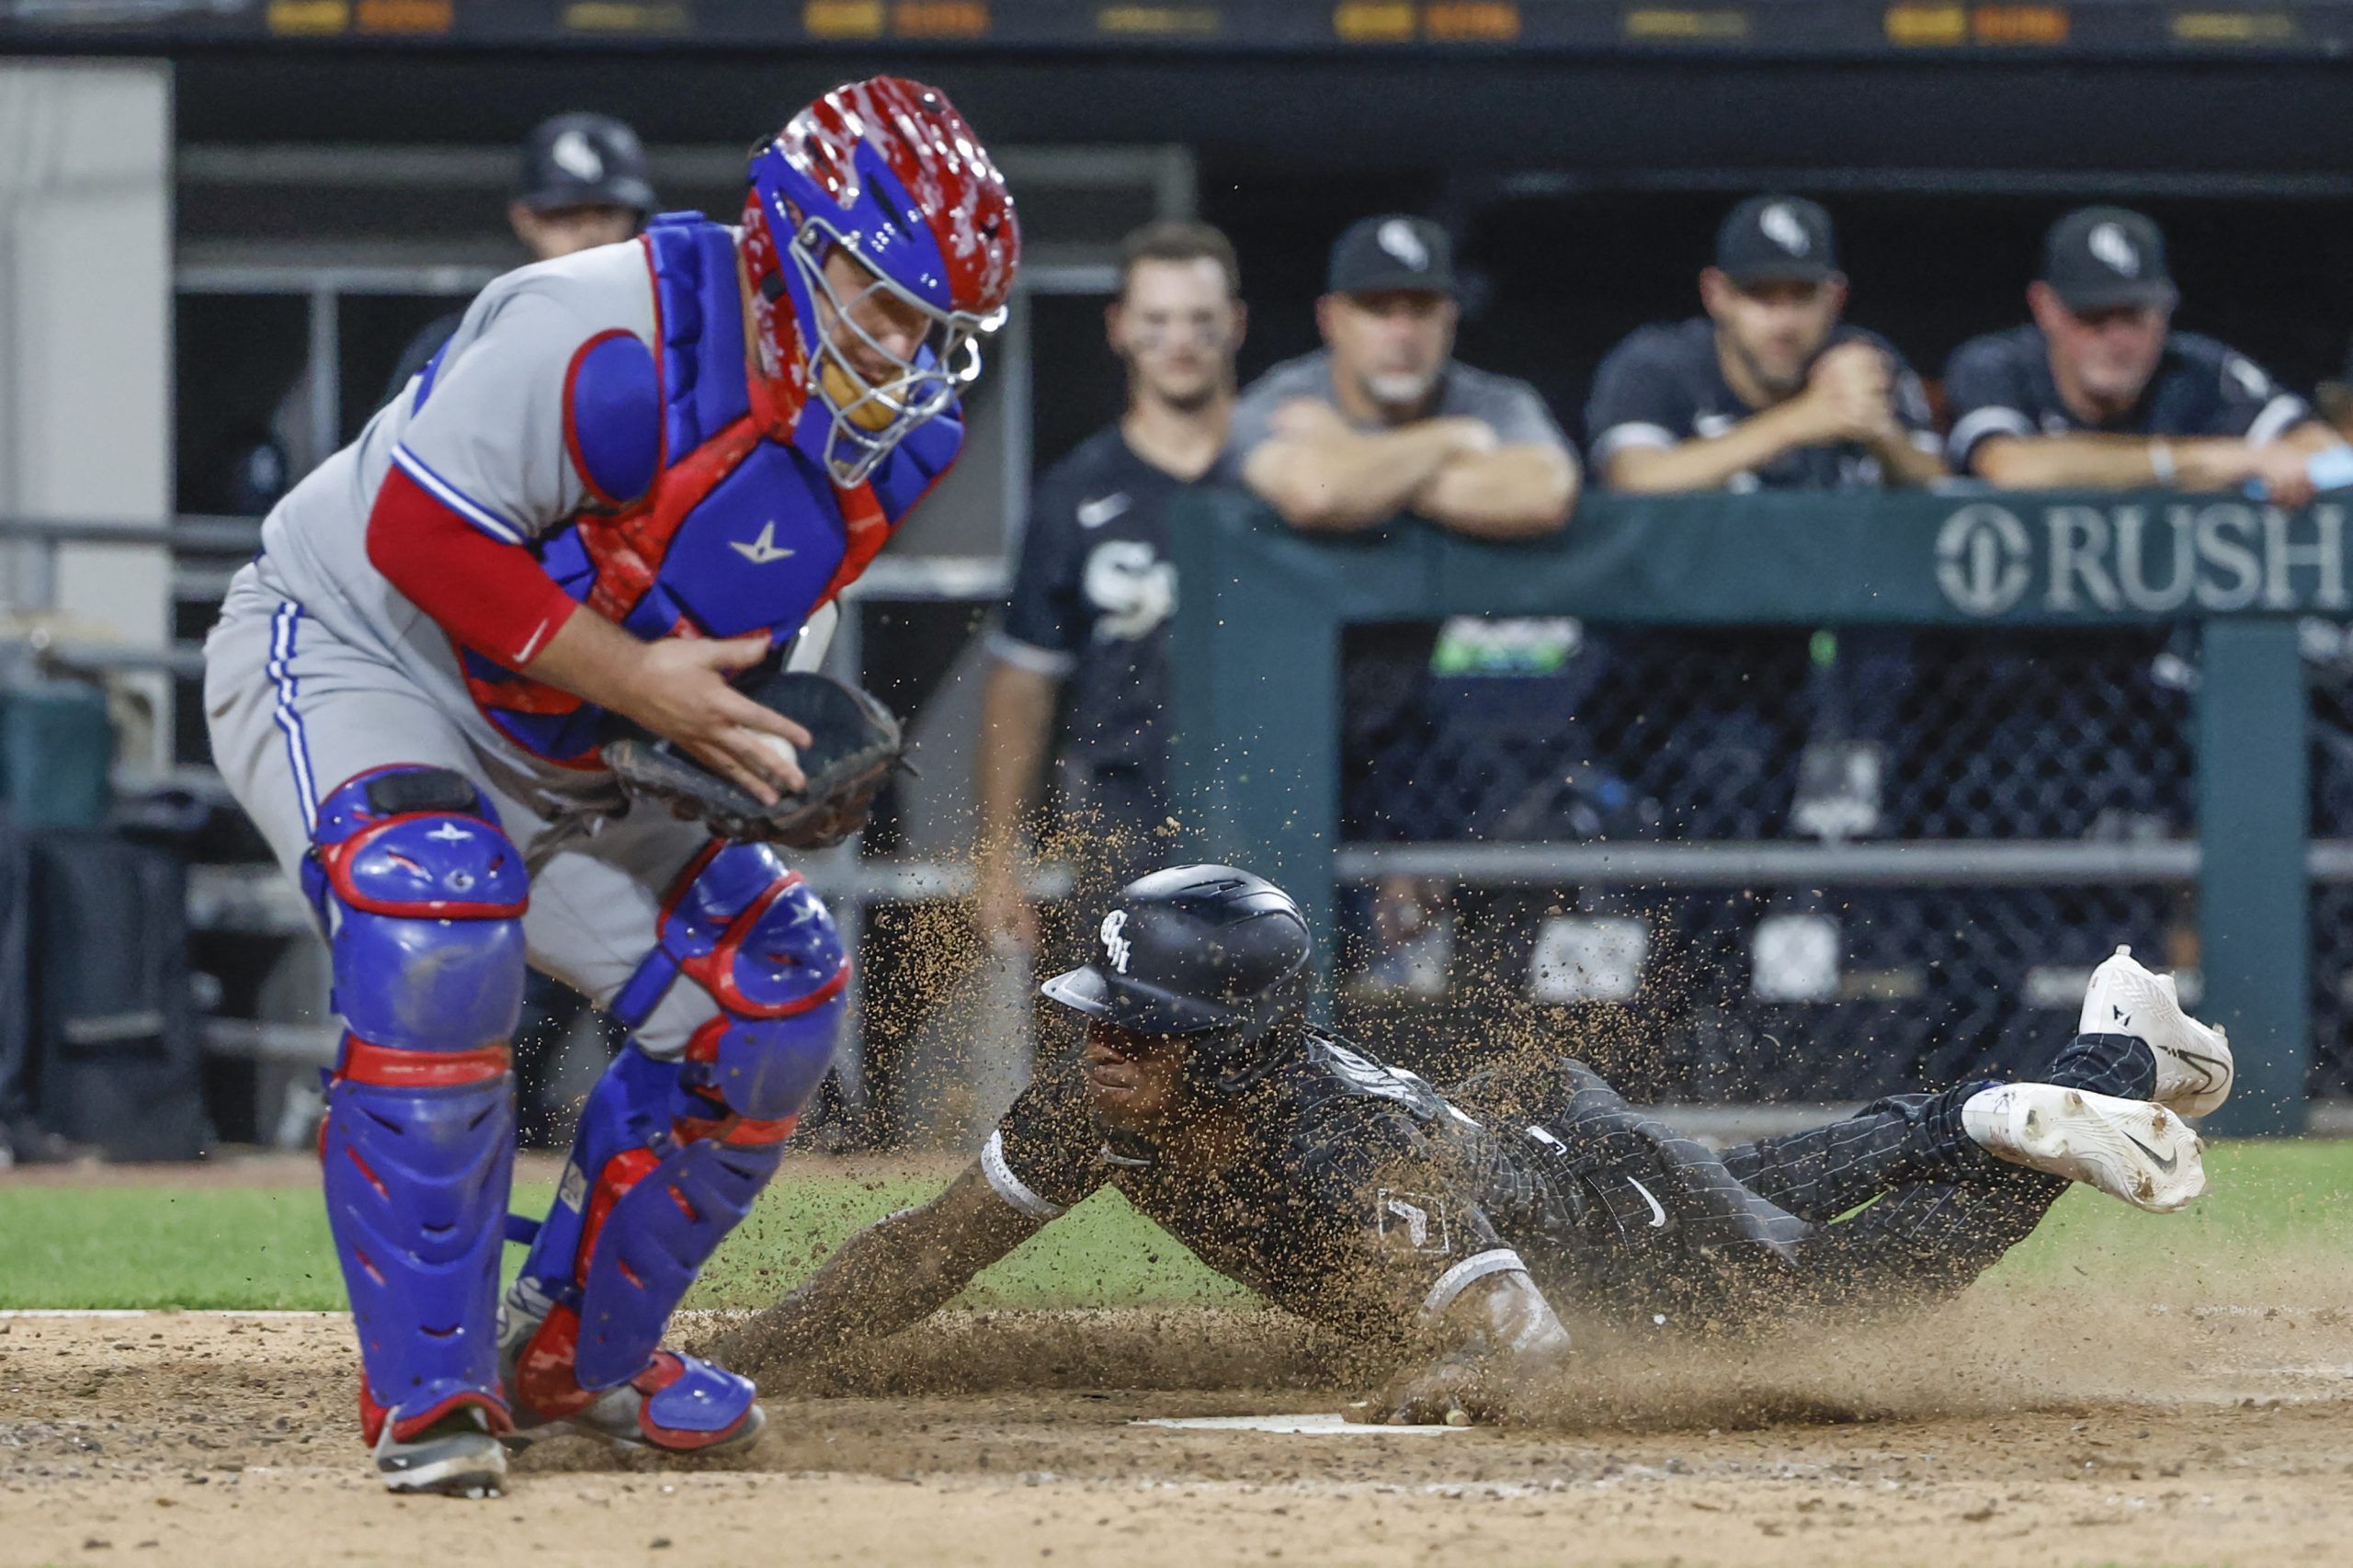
[
  {"x": 894, "y": 1273},
  {"x": 1498, "y": 1335}
]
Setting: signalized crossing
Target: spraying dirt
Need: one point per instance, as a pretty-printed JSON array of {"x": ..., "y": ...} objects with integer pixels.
[{"x": 2016, "y": 1426}]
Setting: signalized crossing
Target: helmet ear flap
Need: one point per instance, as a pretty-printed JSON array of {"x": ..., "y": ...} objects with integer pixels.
[{"x": 1239, "y": 1057}]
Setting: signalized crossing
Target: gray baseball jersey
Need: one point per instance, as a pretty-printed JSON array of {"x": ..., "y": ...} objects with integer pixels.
[
  {"x": 1511, "y": 408},
  {"x": 319, "y": 669},
  {"x": 488, "y": 442}
]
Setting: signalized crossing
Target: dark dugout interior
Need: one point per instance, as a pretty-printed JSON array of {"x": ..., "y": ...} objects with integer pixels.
[{"x": 1585, "y": 191}]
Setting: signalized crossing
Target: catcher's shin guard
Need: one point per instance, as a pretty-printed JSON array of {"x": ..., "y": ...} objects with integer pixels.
[
  {"x": 423, "y": 896},
  {"x": 672, "y": 1154}
]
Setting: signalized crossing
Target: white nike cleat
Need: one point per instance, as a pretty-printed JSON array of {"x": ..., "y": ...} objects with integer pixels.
[
  {"x": 2135, "y": 1150},
  {"x": 2194, "y": 1067},
  {"x": 455, "y": 1456}
]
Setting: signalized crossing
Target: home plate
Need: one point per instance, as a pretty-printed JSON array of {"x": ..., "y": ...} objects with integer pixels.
[{"x": 1290, "y": 1425}]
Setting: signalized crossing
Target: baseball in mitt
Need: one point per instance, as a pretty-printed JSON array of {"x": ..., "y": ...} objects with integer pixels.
[{"x": 854, "y": 746}]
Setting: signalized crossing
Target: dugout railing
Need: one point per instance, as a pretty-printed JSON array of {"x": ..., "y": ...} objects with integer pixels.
[{"x": 2035, "y": 617}]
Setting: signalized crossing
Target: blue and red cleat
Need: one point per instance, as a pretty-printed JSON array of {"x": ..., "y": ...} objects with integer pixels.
[{"x": 677, "y": 1404}]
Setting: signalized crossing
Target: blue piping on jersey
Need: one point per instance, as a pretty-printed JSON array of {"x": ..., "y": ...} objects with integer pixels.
[
  {"x": 283, "y": 624},
  {"x": 456, "y": 500}
]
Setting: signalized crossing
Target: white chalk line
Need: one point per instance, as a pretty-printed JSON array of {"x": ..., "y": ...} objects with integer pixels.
[{"x": 160, "y": 1312}]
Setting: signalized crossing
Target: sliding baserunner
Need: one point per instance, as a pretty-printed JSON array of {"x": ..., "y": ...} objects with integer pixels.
[{"x": 1461, "y": 1225}]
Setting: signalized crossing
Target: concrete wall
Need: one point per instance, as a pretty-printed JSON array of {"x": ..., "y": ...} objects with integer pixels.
[{"x": 85, "y": 326}]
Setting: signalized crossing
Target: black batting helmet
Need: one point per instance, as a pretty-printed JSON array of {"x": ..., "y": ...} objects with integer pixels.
[{"x": 1208, "y": 952}]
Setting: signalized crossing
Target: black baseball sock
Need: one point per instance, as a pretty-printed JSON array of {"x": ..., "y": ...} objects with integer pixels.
[{"x": 2117, "y": 1064}]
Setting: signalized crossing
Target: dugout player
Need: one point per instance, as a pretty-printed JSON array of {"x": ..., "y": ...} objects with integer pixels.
[
  {"x": 584, "y": 184},
  {"x": 632, "y": 473},
  {"x": 2099, "y": 392},
  {"x": 1382, "y": 419},
  {"x": 1093, "y": 589},
  {"x": 1464, "y": 1224},
  {"x": 1770, "y": 389}
]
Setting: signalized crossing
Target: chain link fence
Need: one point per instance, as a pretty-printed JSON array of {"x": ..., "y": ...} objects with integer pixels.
[{"x": 1555, "y": 731}]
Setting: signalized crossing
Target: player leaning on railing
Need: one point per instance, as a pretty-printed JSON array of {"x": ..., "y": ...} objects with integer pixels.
[
  {"x": 1454, "y": 1222},
  {"x": 630, "y": 474}
]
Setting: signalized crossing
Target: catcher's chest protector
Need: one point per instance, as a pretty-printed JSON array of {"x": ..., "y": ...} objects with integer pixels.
[{"x": 716, "y": 515}]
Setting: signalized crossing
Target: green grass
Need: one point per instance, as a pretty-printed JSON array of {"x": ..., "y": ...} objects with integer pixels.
[
  {"x": 267, "y": 1247},
  {"x": 158, "y": 1247}
]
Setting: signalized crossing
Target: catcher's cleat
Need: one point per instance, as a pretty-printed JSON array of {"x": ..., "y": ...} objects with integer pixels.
[
  {"x": 678, "y": 1405},
  {"x": 2132, "y": 1150},
  {"x": 454, "y": 1453},
  {"x": 2194, "y": 1066}
]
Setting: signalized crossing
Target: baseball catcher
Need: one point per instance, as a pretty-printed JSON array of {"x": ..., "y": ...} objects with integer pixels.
[
  {"x": 1450, "y": 1224},
  {"x": 485, "y": 692}
]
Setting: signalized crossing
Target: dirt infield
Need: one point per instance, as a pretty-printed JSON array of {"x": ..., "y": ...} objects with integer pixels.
[{"x": 2009, "y": 1430}]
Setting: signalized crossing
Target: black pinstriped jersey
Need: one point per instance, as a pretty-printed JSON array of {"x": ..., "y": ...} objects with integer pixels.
[
  {"x": 1365, "y": 1198},
  {"x": 1664, "y": 385}
]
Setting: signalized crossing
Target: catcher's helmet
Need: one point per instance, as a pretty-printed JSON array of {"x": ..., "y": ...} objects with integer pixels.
[
  {"x": 1208, "y": 952},
  {"x": 887, "y": 171}
]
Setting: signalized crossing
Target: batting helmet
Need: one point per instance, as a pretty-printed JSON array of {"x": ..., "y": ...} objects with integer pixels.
[
  {"x": 1208, "y": 952},
  {"x": 887, "y": 172}
]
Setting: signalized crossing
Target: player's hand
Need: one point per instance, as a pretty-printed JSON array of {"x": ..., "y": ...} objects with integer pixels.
[
  {"x": 2283, "y": 474},
  {"x": 1851, "y": 389},
  {"x": 1007, "y": 917},
  {"x": 1454, "y": 1392},
  {"x": 680, "y": 691}
]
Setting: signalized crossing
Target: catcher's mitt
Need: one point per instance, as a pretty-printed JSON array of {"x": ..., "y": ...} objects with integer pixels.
[{"x": 854, "y": 746}]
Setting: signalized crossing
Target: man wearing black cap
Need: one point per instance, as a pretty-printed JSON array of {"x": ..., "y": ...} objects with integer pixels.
[
  {"x": 1381, "y": 420},
  {"x": 2099, "y": 392},
  {"x": 583, "y": 185},
  {"x": 1770, "y": 389}
]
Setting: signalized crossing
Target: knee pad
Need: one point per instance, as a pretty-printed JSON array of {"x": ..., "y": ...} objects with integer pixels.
[
  {"x": 746, "y": 930},
  {"x": 423, "y": 896}
]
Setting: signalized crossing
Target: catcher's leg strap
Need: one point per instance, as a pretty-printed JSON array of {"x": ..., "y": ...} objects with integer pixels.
[
  {"x": 423, "y": 896},
  {"x": 671, "y": 1155}
]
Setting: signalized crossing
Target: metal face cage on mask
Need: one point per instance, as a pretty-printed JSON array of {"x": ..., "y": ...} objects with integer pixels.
[{"x": 869, "y": 420}]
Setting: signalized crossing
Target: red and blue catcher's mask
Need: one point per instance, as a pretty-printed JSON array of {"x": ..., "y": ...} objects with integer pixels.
[{"x": 887, "y": 173}]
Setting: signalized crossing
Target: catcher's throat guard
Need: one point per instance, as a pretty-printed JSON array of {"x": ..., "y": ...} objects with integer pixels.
[{"x": 855, "y": 745}]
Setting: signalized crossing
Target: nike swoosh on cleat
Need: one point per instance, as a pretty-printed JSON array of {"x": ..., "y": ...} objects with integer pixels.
[
  {"x": 2208, "y": 1071},
  {"x": 2165, "y": 1162}
]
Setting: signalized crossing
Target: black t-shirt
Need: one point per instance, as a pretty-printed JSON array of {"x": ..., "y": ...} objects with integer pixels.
[
  {"x": 1364, "y": 1199},
  {"x": 1663, "y": 385},
  {"x": 2001, "y": 384},
  {"x": 1092, "y": 595}
]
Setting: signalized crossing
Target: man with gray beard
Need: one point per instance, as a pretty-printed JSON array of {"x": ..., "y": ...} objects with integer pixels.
[{"x": 1382, "y": 420}]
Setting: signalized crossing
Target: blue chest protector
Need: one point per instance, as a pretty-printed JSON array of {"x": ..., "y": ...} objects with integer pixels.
[{"x": 703, "y": 523}]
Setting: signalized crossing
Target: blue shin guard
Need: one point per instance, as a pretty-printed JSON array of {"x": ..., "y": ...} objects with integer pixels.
[
  {"x": 671, "y": 1155},
  {"x": 423, "y": 896}
]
